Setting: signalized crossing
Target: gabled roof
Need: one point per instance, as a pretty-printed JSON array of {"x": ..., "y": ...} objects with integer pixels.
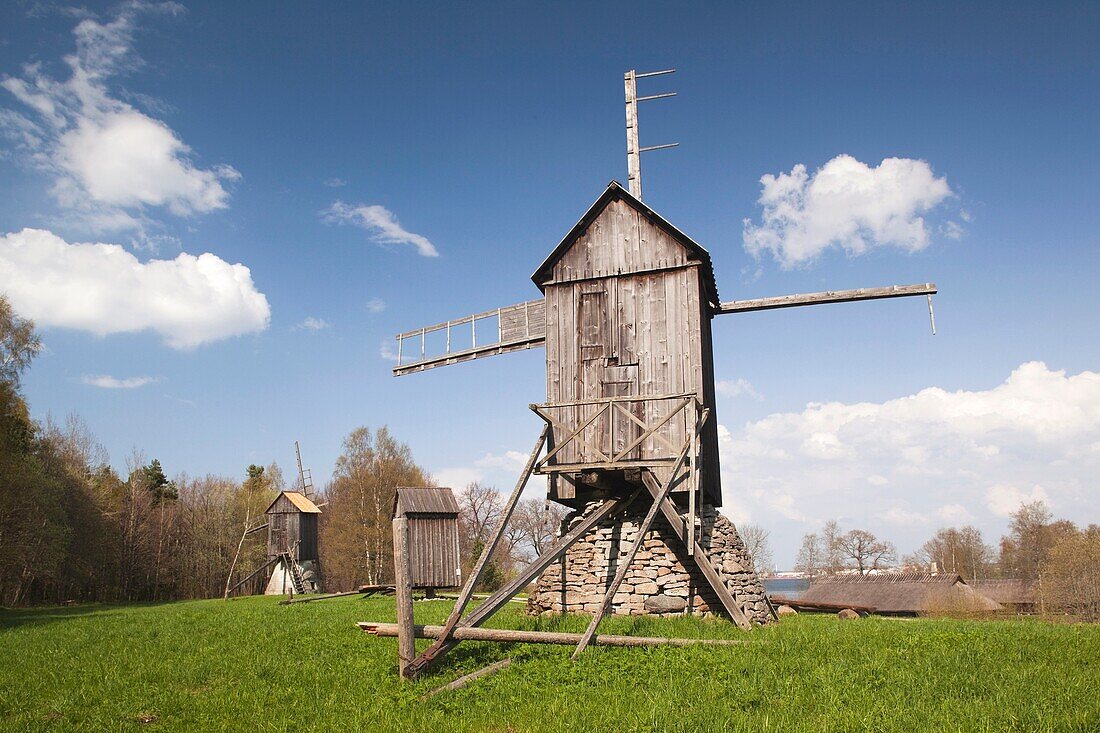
[
  {"x": 615, "y": 192},
  {"x": 300, "y": 502},
  {"x": 427, "y": 500}
]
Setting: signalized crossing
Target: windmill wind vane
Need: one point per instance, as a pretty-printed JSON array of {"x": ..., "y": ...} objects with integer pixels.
[{"x": 630, "y": 424}]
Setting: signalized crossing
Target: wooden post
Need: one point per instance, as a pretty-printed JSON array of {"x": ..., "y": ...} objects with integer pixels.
[
  {"x": 633, "y": 154},
  {"x": 402, "y": 572}
]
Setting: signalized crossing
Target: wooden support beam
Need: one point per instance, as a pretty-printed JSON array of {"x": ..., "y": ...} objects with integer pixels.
[
  {"x": 829, "y": 296},
  {"x": 325, "y": 597},
  {"x": 643, "y": 528},
  {"x": 252, "y": 575},
  {"x": 468, "y": 678},
  {"x": 498, "y": 599},
  {"x": 406, "y": 641},
  {"x": 508, "y": 636},
  {"x": 487, "y": 552},
  {"x": 700, "y": 557}
]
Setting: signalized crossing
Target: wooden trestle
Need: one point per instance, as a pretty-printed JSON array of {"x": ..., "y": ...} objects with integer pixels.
[{"x": 459, "y": 622}]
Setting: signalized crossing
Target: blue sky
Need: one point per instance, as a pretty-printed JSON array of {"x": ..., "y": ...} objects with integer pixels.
[{"x": 486, "y": 131}]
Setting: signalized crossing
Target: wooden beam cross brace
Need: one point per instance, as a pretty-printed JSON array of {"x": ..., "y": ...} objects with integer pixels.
[
  {"x": 643, "y": 529},
  {"x": 700, "y": 557},
  {"x": 498, "y": 599}
]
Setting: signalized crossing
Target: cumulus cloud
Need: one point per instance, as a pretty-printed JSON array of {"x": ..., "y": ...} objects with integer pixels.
[
  {"x": 110, "y": 161},
  {"x": 846, "y": 204},
  {"x": 500, "y": 470},
  {"x": 106, "y": 381},
  {"x": 103, "y": 289},
  {"x": 736, "y": 388},
  {"x": 1004, "y": 499},
  {"x": 311, "y": 323},
  {"x": 380, "y": 223},
  {"x": 934, "y": 457}
]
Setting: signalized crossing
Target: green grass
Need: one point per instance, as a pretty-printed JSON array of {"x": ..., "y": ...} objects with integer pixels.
[{"x": 253, "y": 665}]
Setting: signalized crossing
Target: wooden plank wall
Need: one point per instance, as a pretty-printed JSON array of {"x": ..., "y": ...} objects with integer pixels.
[
  {"x": 433, "y": 551},
  {"x": 607, "y": 327}
]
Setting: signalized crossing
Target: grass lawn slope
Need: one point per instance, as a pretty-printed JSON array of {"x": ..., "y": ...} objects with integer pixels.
[{"x": 253, "y": 665}]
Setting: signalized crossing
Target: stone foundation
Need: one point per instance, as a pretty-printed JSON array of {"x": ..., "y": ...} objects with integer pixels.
[{"x": 662, "y": 580}]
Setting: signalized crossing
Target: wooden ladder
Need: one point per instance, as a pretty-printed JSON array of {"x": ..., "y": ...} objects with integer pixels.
[{"x": 296, "y": 579}]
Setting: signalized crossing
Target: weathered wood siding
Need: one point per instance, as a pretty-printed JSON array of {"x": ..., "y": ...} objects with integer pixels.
[
  {"x": 625, "y": 316},
  {"x": 286, "y": 526},
  {"x": 433, "y": 551}
]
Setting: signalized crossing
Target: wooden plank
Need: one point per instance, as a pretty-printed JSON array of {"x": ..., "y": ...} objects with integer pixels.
[
  {"x": 468, "y": 678},
  {"x": 829, "y": 296},
  {"x": 406, "y": 641},
  {"x": 457, "y": 357},
  {"x": 508, "y": 636},
  {"x": 700, "y": 557}
]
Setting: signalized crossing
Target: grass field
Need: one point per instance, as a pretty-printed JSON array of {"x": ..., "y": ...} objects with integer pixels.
[{"x": 251, "y": 664}]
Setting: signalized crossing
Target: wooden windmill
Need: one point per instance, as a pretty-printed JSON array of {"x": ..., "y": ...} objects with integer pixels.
[{"x": 625, "y": 319}]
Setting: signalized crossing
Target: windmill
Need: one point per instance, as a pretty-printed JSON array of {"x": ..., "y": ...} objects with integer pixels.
[
  {"x": 630, "y": 430},
  {"x": 291, "y": 521}
]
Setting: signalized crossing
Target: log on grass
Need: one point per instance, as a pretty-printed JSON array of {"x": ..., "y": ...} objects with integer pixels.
[
  {"x": 310, "y": 599},
  {"x": 467, "y": 678},
  {"x": 476, "y": 633}
]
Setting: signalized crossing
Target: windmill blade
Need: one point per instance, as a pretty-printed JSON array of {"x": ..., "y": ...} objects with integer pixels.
[
  {"x": 499, "y": 331},
  {"x": 829, "y": 296}
]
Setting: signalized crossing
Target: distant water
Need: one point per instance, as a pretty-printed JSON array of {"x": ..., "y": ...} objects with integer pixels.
[{"x": 786, "y": 587}]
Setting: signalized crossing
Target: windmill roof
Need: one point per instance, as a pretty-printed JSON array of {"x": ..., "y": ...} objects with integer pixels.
[
  {"x": 300, "y": 502},
  {"x": 615, "y": 192},
  {"x": 424, "y": 500},
  {"x": 900, "y": 593}
]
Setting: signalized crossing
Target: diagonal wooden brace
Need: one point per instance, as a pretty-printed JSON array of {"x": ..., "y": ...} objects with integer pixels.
[
  {"x": 495, "y": 601},
  {"x": 486, "y": 553},
  {"x": 700, "y": 557},
  {"x": 643, "y": 529}
]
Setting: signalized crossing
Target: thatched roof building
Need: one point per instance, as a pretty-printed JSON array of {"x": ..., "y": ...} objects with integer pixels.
[
  {"x": 900, "y": 594},
  {"x": 1009, "y": 592}
]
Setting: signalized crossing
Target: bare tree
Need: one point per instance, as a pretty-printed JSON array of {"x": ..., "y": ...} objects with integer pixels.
[
  {"x": 955, "y": 550},
  {"x": 539, "y": 523},
  {"x": 865, "y": 550},
  {"x": 1071, "y": 575},
  {"x": 811, "y": 555},
  {"x": 755, "y": 538},
  {"x": 833, "y": 558}
]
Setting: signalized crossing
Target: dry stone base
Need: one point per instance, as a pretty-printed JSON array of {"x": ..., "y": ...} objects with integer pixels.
[{"x": 662, "y": 580}]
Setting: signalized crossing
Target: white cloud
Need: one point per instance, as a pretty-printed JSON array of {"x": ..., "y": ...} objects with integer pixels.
[
  {"x": 376, "y": 305},
  {"x": 736, "y": 388},
  {"x": 106, "y": 381},
  {"x": 380, "y": 223},
  {"x": 1004, "y": 499},
  {"x": 103, "y": 289},
  {"x": 500, "y": 470},
  {"x": 937, "y": 455},
  {"x": 845, "y": 204},
  {"x": 386, "y": 350},
  {"x": 897, "y": 515},
  {"x": 335, "y": 182},
  {"x": 110, "y": 162},
  {"x": 953, "y": 513},
  {"x": 312, "y": 324}
]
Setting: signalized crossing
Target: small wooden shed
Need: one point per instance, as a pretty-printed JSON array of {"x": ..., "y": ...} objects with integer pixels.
[
  {"x": 432, "y": 514},
  {"x": 292, "y": 526}
]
